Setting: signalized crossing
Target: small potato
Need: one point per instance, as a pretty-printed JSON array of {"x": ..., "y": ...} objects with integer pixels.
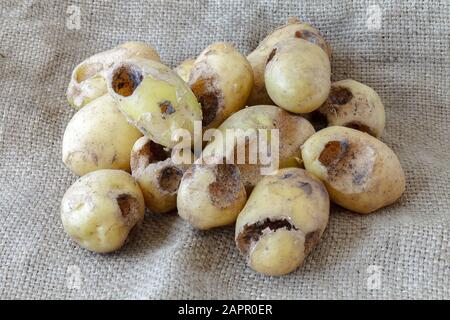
[
  {"x": 361, "y": 173},
  {"x": 211, "y": 196},
  {"x": 293, "y": 132},
  {"x": 153, "y": 98},
  {"x": 221, "y": 79},
  {"x": 258, "y": 58},
  {"x": 354, "y": 105},
  {"x": 184, "y": 69},
  {"x": 157, "y": 175},
  {"x": 283, "y": 221},
  {"x": 88, "y": 78},
  {"x": 298, "y": 75},
  {"x": 99, "y": 210},
  {"x": 98, "y": 137}
]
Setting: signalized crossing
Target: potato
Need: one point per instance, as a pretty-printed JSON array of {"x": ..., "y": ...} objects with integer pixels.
[
  {"x": 354, "y": 105},
  {"x": 221, "y": 79},
  {"x": 258, "y": 57},
  {"x": 361, "y": 173},
  {"x": 283, "y": 221},
  {"x": 101, "y": 208},
  {"x": 293, "y": 132},
  {"x": 211, "y": 196},
  {"x": 184, "y": 69},
  {"x": 157, "y": 175},
  {"x": 88, "y": 78},
  {"x": 153, "y": 98},
  {"x": 98, "y": 137},
  {"x": 297, "y": 75}
]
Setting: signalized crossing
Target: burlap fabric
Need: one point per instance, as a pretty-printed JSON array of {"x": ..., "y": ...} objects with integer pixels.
[{"x": 401, "y": 48}]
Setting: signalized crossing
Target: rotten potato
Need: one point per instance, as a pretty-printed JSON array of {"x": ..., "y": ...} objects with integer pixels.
[
  {"x": 154, "y": 99},
  {"x": 98, "y": 137},
  {"x": 258, "y": 57},
  {"x": 184, "y": 69},
  {"x": 361, "y": 173},
  {"x": 354, "y": 105},
  {"x": 221, "y": 79},
  {"x": 88, "y": 78},
  {"x": 157, "y": 175},
  {"x": 101, "y": 208},
  {"x": 283, "y": 221},
  {"x": 297, "y": 75},
  {"x": 211, "y": 196}
]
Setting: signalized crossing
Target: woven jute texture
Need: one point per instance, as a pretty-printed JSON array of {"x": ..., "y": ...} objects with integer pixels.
[{"x": 400, "y": 48}]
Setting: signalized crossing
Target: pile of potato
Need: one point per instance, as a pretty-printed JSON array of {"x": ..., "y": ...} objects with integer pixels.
[{"x": 129, "y": 104}]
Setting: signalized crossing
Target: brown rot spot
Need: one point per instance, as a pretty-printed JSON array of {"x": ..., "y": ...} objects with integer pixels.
[
  {"x": 361, "y": 127},
  {"x": 271, "y": 55},
  {"x": 339, "y": 95},
  {"x": 209, "y": 98},
  {"x": 224, "y": 191},
  {"x": 169, "y": 179},
  {"x": 126, "y": 79},
  {"x": 333, "y": 152},
  {"x": 306, "y": 187},
  {"x": 166, "y": 107},
  {"x": 311, "y": 240},
  {"x": 318, "y": 120},
  {"x": 308, "y": 36},
  {"x": 252, "y": 233},
  {"x": 127, "y": 204}
]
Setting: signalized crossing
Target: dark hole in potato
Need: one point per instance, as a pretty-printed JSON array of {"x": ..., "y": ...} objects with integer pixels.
[
  {"x": 157, "y": 152},
  {"x": 340, "y": 95},
  {"x": 224, "y": 191},
  {"x": 209, "y": 98},
  {"x": 125, "y": 80},
  {"x": 169, "y": 179},
  {"x": 127, "y": 204},
  {"x": 333, "y": 152},
  {"x": 271, "y": 55},
  {"x": 318, "y": 120},
  {"x": 359, "y": 126}
]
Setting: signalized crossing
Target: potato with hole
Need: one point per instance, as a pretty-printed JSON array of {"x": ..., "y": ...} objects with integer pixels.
[
  {"x": 283, "y": 221},
  {"x": 153, "y": 98},
  {"x": 88, "y": 78},
  {"x": 184, "y": 69},
  {"x": 352, "y": 104},
  {"x": 98, "y": 137},
  {"x": 258, "y": 57},
  {"x": 101, "y": 208},
  {"x": 361, "y": 173},
  {"x": 157, "y": 174},
  {"x": 297, "y": 75},
  {"x": 221, "y": 79},
  {"x": 211, "y": 196}
]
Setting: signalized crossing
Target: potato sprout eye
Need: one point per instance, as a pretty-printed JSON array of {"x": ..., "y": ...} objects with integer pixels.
[{"x": 125, "y": 80}]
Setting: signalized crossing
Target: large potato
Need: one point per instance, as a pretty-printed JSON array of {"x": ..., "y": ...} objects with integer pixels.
[
  {"x": 297, "y": 75},
  {"x": 221, "y": 79},
  {"x": 258, "y": 57},
  {"x": 361, "y": 173},
  {"x": 282, "y": 221},
  {"x": 154, "y": 98},
  {"x": 98, "y": 137},
  {"x": 88, "y": 78}
]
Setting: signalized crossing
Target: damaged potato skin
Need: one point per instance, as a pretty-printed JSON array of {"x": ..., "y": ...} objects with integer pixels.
[
  {"x": 361, "y": 173},
  {"x": 221, "y": 79},
  {"x": 211, "y": 196},
  {"x": 98, "y": 137},
  {"x": 99, "y": 210},
  {"x": 184, "y": 69},
  {"x": 297, "y": 75},
  {"x": 153, "y": 98},
  {"x": 293, "y": 132},
  {"x": 258, "y": 58},
  {"x": 282, "y": 222},
  {"x": 157, "y": 175},
  {"x": 88, "y": 78},
  {"x": 355, "y": 105}
]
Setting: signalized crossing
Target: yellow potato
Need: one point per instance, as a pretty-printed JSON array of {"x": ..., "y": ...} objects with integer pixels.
[
  {"x": 283, "y": 221},
  {"x": 88, "y": 78},
  {"x": 361, "y": 173},
  {"x": 98, "y": 137},
  {"x": 297, "y": 75},
  {"x": 221, "y": 79},
  {"x": 101, "y": 208},
  {"x": 184, "y": 69}
]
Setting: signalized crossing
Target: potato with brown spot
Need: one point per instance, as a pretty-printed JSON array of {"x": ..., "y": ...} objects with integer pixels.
[
  {"x": 354, "y": 105},
  {"x": 261, "y": 55},
  {"x": 88, "y": 78},
  {"x": 361, "y": 173},
  {"x": 211, "y": 196},
  {"x": 221, "y": 79},
  {"x": 282, "y": 222},
  {"x": 184, "y": 69},
  {"x": 157, "y": 175},
  {"x": 101, "y": 208}
]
